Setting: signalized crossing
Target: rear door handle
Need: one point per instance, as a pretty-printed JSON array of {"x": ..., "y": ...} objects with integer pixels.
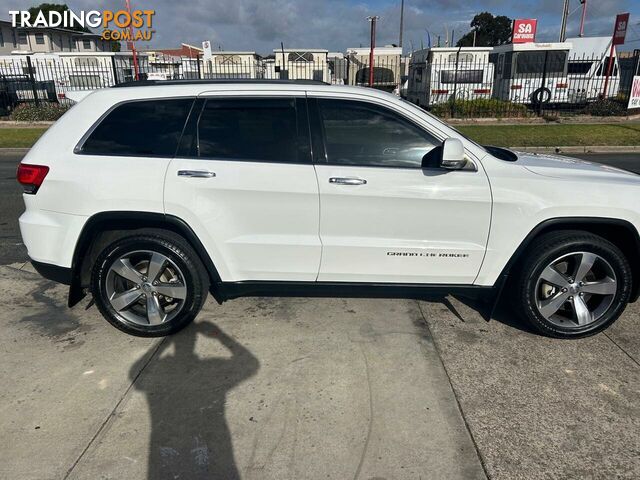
[
  {"x": 196, "y": 173},
  {"x": 347, "y": 181}
]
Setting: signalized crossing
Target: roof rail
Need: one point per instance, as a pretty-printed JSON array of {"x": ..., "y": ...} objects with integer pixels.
[{"x": 148, "y": 83}]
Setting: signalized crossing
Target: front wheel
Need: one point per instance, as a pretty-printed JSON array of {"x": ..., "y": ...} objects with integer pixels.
[
  {"x": 149, "y": 285},
  {"x": 573, "y": 284}
]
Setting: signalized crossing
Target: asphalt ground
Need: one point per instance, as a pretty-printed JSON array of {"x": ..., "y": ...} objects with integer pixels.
[{"x": 261, "y": 388}]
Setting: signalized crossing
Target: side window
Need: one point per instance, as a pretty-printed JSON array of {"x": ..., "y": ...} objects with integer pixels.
[
  {"x": 363, "y": 134},
  {"x": 144, "y": 128},
  {"x": 255, "y": 129}
]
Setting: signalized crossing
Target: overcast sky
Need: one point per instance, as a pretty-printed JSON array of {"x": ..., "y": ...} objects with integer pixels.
[{"x": 261, "y": 25}]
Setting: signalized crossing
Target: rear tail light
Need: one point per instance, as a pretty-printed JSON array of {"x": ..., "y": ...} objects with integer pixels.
[
  {"x": 438, "y": 92},
  {"x": 482, "y": 90},
  {"x": 516, "y": 87},
  {"x": 562, "y": 85},
  {"x": 61, "y": 96},
  {"x": 31, "y": 176}
]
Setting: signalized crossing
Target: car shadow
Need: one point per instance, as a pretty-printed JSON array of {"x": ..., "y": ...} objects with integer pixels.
[
  {"x": 502, "y": 312},
  {"x": 186, "y": 396}
]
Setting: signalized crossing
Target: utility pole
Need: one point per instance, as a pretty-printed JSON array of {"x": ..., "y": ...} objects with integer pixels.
[
  {"x": 133, "y": 46},
  {"x": 563, "y": 26},
  {"x": 401, "y": 21},
  {"x": 373, "y": 19},
  {"x": 584, "y": 14}
]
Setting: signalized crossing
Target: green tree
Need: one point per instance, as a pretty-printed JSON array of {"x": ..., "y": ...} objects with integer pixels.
[
  {"x": 490, "y": 31},
  {"x": 56, "y": 7}
]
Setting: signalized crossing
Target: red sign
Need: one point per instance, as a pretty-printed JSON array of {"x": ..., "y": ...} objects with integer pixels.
[
  {"x": 524, "y": 30},
  {"x": 620, "y": 32}
]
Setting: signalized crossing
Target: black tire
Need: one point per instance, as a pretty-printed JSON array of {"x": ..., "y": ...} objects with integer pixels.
[
  {"x": 556, "y": 245},
  {"x": 541, "y": 96},
  {"x": 177, "y": 251}
]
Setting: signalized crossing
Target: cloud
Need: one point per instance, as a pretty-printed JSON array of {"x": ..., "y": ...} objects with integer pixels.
[{"x": 336, "y": 25}]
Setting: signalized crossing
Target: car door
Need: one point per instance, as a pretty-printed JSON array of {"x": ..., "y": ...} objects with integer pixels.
[
  {"x": 384, "y": 218},
  {"x": 244, "y": 181}
]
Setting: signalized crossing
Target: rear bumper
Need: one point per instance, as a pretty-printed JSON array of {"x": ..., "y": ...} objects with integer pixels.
[
  {"x": 53, "y": 272},
  {"x": 50, "y": 237}
]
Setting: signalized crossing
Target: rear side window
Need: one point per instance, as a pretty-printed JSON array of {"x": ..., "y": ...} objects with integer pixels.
[
  {"x": 254, "y": 129},
  {"x": 145, "y": 128}
]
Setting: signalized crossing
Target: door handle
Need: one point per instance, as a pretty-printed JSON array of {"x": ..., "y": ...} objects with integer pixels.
[
  {"x": 196, "y": 173},
  {"x": 347, "y": 181}
]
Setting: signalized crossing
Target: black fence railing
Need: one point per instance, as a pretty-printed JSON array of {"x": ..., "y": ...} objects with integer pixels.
[
  {"x": 463, "y": 86},
  {"x": 540, "y": 84}
]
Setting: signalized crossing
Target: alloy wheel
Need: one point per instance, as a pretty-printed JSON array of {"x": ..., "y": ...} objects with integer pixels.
[
  {"x": 145, "y": 288},
  {"x": 576, "y": 290}
]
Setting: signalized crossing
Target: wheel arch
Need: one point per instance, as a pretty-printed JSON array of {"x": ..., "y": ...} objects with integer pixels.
[
  {"x": 620, "y": 232},
  {"x": 105, "y": 227}
]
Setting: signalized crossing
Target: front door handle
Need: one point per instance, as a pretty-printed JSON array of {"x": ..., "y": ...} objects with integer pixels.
[
  {"x": 347, "y": 181},
  {"x": 196, "y": 173}
]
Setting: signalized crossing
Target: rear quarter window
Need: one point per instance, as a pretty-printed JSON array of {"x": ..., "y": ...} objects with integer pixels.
[{"x": 140, "y": 128}]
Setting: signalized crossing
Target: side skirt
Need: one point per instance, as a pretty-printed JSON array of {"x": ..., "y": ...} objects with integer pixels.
[{"x": 231, "y": 290}]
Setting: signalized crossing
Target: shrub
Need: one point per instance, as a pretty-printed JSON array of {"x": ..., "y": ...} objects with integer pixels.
[
  {"x": 480, "y": 108},
  {"x": 606, "y": 108},
  {"x": 30, "y": 112}
]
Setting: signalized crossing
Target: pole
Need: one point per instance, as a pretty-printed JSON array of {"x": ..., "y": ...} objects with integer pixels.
[
  {"x": 373, "y": 20},
  {"x": 133, "y": 47},
  {"x": 563, "y": 26},
  {"x": 284, "y": 61},
  {"x": 455, "y": 84},
  {"x": 609, "y": 68},
  {"x": 32, "y": 81},
  {"x": 584, "y": 14},
  {"x": 401, "y": 21},
  {"x": 115, "y": 70},
  {"x": 475, "y": 32}
]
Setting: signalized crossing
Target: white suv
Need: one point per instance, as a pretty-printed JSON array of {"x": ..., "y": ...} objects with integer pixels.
[{"x": 150, "y": 196}]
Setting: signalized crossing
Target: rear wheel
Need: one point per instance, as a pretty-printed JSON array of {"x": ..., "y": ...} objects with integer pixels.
[
  {"x": 573, "y": 284},
  {"x": 149, "y": 285}
]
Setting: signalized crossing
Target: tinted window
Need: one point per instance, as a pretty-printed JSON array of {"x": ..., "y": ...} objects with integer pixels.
[
  {"x": 359, "y": 133},
  {"x": 261, "y": 129},
  {"x": 140, "y": 129},
  {"x": 556, "y": 62},
  {"x": 579, "y": 68},
  {"x": 604, "y": 66},
  {"x": 534, "y": 62},
  {"x": 461, "y": 76}
]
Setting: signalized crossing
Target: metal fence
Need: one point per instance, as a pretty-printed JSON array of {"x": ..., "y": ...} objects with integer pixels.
[
  {"x": 462, "y": 86},
  {"x": 519, "y": 85}
]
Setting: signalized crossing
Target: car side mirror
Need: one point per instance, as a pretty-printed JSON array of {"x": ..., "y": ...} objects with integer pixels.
[
  {"x": 453, "y": 154},
  {"x": 449, "y": 156}
]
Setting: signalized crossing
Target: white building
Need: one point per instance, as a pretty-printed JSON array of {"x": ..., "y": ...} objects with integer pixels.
[
  {"x": 233, "y": 64},
  {"x": 587, "y": 69},
  {"x": 387, "y": 66},
  {"x": 299, "y": 64},
  {"x": 437, "y": 74}
]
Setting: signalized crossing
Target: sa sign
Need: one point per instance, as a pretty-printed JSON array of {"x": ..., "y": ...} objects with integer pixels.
[
  {"x": 524, "y": 30},
  {"x": 620, "y": 32}
]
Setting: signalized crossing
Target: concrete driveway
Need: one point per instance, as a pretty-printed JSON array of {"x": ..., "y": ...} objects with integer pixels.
[{"x": 256, "y": 388}]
